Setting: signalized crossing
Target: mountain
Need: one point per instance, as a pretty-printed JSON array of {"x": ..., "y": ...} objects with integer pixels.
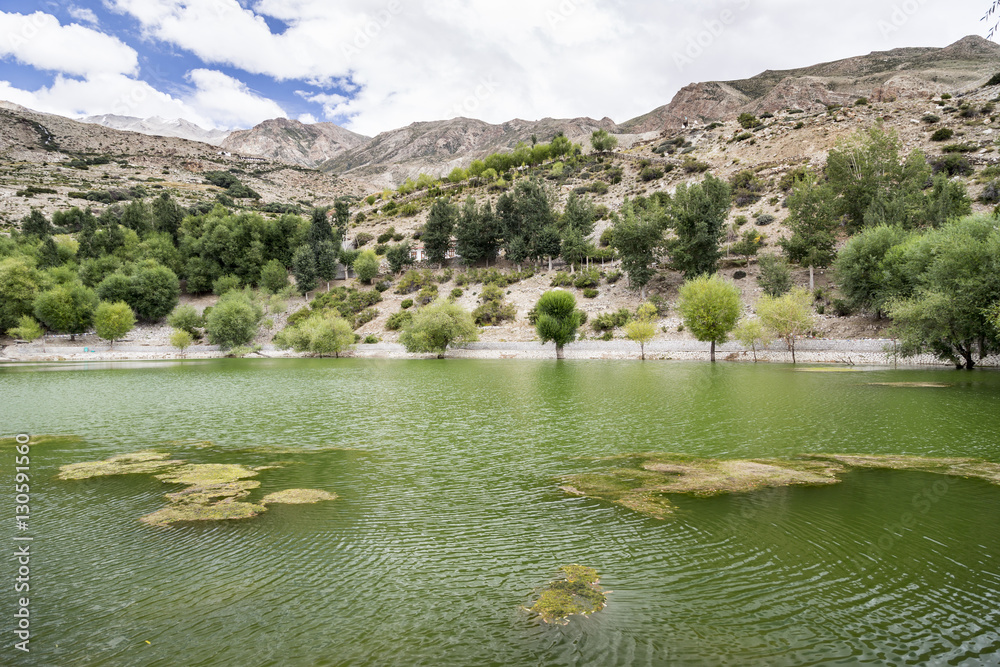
[
  {"x": 293, "y": 142},
  {"x": 440, "y": 146},
  {"x": 159, "y": 127},
  {"x": 910, "y": 73}
]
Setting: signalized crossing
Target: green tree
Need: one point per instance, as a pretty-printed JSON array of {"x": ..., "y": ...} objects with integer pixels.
[
  {"x": 752, "y": 333},
  {"x": 36, "y": 225},
  {"x": 521, "y": 215},
  {"x": 956, "y": 281},
  {"x": 437, "y": 232},
  {"x": 579, "y": 214},
  {"x": 342, "y": 218},
  {"x": 813, "y": 224},
  {"x": 181, "y": 339},
  {"x": 20, "y": 283},
  {"x": 138, "y": 217},
  {"x": 749, "y": 244},
  {"x": 574, "y": 247},
  {"x": 113, "y": 320},
  {"x": 710, "y": 307},
  {"x": 398, "y": 257},
  {"x": 233, "y": 320},
  {"x": 698, "y": 214},
  {"x": 788, "y": 316},
  {"x": 167, "y": 215},
  {"x": 304, "y": 269},
  {"x": 476, "y": 233},
  {"x": 27, "y": 329},
  {"x": 186, "y": 318},
  {"x": 638, "y": 237},
  {"x": 436, "y": 327},
  {"x": 67, "y": 308},
  {"x": 323, "y": 333},
  {"x": 326, "y": 262},
  {"x": 861, "y": 268},
  {"x": 642, "y": 329},
  {"x": 155, "y": 292},
  {"x": 775, "y": 276},
  {"x": 273, "y": 277},
  {"x": 558, "y": 319},
  {"x": 366, "y": 266},
  {"x": 320, "y": 229},
  {"x": 603, "y": 142}
]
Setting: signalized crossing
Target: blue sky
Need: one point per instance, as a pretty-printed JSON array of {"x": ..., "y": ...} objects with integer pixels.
[{"x": 376, "y": 66}]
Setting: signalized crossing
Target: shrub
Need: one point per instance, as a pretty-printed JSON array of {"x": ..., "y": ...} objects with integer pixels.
[
  {"x": 409, "y": 210},
  {"x": 764, "y": 219},
  {"x": 841, "y": 308},
  {"x": 588, "y": 278},
  {"x": 181, "y": 339},
  {"x": 799, "y": 125},
  {"x": 861, "y": 101},
  {"x": 943, "y": 134},
  {"x": 562, "y": 279},
  {"x": 691, "y": 165},
  {"x": 931, "y": 118},
  {"x": 386, "y": 236},
  {"x": 233, "y": 321},
  {"x": 365, "y": 316},
  {"x": 492, "y": 309},
  {"x": 739, "y": 275},
  {"x": 366, "y": 266},
  {"x": 273, "y": 277},
  {"x": 775, "y": 275},
  {"x": 427, "y": 294},
  {"x": 952, "y": 165},
  {"x": 155, "y": 291},
  {"x": 748, "y": 121},
  {"x": 413, "y": 281},
  {"x": 650, "y": 174},
  {"x": 613, "y": 277},
  {"x": 186, "y": 318},
  {"x": 609, "y": 321},
  {"x": 457, "y": 292},
  {"x": 407, "y": 303},
  {"x": 362, "y": 239},
  {"x": 224, "y": 284},
  {"x": 959, "y": 148},
  {"x": 370, "y": 339},
  {"x": 435, "y": 328},
  {"x": 590, "y": 293},
  {"x": 742, "y": 136},
  {"x": 991, "y": 193},
  {"x": 398, "y": 320}
]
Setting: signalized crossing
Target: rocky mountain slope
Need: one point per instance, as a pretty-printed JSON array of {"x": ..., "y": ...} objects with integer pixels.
[
  {"x": 160, "y": 127},
  {"x": 910, "y": 73},
  {"x": 294, "y": 142}
]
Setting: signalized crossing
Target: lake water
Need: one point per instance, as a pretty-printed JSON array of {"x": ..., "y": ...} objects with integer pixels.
[{"x": 449, "y": 516}]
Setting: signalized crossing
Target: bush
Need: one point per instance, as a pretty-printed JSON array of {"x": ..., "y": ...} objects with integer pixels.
[
  {"x": 748, "y": 121},
  {"x": 588, "y": 278},
  {"x": 155, "y": 291},
  {"x": 435, "y": 328},
  {"x": 407, "y": 303},
  {"x": 841, "y": 308},
  {"x": 739, "y": 275},
  {"x": 931, "y": 118},
  {"x": 775, "y": 275},
  {"x": 413, "y": 281},
  {"x": 650, "y": 174},
  {"x": 692, "y": 166},
  {"x": 952, "y": 165},
  {"x": 764, "y": 219},
  {"x": 224, "y": 284},
  {"x": 233, "y": 321},
  {"x": 366, "y": 266},
  {"x": 613, "y": 277},
  {"x": 365, "y": 316},
  {"x": 370, "y": 339},
  {"x": 273, "y": 277},
  {"x": 386, "y": 236},
  {"x": 362, "y": 239},
  {"x": 609, "y": 321},
  {"x": 398, "y": 320},
  {"x": 590, "y": 293},
  {"x": 492, "y": 309},
  {"x": 943, "y": 134},
  {"x": 561, "y": 279},
  {"x": 427, "y": 294},
  {"x": 991, "y": 193},
  {"x": 409, "y": 210},
  {"x": 186, "y": 318}
]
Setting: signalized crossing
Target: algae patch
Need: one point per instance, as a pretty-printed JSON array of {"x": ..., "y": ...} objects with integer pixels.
[
  {"x": 297, "y": 497},
  {"x": 213, "y": 491},
  {"x": 577, "y": 594},
  {"x": 915, "y": 385},
  {"x": 643, "y": 482}
]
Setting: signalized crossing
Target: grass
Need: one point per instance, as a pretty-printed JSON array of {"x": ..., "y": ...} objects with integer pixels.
[{"x": 644, "y": 482}]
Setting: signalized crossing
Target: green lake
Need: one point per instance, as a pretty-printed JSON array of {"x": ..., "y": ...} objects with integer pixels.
[{"x": 450, "y": 516}]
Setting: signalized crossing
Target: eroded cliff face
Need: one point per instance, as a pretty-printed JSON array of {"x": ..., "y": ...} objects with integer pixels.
[{"x": 293, "y": 142}]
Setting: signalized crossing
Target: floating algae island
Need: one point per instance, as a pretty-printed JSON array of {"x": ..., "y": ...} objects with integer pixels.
[
  {"x": 642, "y": 482},
  {"x": 213, "y": 491},
  {"x": 577, "y": 594}
]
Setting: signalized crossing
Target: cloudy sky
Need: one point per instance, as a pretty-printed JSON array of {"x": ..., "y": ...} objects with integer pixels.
[{"x": 375, "y": 66}]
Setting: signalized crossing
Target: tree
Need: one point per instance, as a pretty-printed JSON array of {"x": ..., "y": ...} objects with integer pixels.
[
  {"x": 813, "y": 224},
  {"x": 752, "y": 333},
  {"x": 579, "y": 214},
  {"x": 323, "y": 333},
  {"x": 788, "y": 316},
  {"x": 698, "y": 214},
  {"x": 167, "y": 215},
  {"x": 304, "y": 269},
  {"x": 366, "y": 266},
  {"x": 638, "y": 236},
  {"x": 603, "y": 142},
  {"x": 186, "y": 318},
  {"x": 342, "y": 218},
  {"x": 20, "y": 283},
  {"x": 558, "y": 319},
  {"x": 233, "y": 321},
  {"x": 35, "y": 224},
  {"x": 181, "y": 339},
  {"x": 521, "y": 215},
  {"x": 27, "y": 329},
  {"x": 273, "y": 277},
  {"x": 710, "y": 307},
  {"x": 437, "y": 326},
  {"x": 749, "y": 244},
  {"x": 326, "y": 262},
  {"x": 67, "y": 308},
  {"x": 775, "y": 276},
  {"x": 320, "y": 229},
  {"x": 642, "y": 328},
  {"x": 138, "y": 217},
  {"x": 574, "y": 247},
  {"x": 398, "y": 256},
  {"x": 437, "y": 232},
  {"x": 113, "y": 320},
  {"x": 155, "y": 292},
  {"x": 476, "y": 233},
  {"x": 955, "y": 282},
  {"x": 861, "y": 264}
]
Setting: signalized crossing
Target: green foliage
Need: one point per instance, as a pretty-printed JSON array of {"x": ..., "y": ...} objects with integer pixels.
[
  {"x": 650, "y": 174},
  {"x": 751, "y": 332},
  {"x": 225, "y": 284},
  {"x": 27, "y": 329},
  {"x": 304, "y": 269},
  {"x": 638, "y": 237},
  {"x": 20, "y": 283},
  {"x": 366, "y": 266},
  {"x": 813, "y": 224},
  {"x": 493, "y": 309},
  {"x": 365, "y": 316},
  {"x": 749, "y": 244},
  {"x": 36, "y": 225},
  {"x": 427, "y": 294},
  {"x": 557, "y": 319},
  {"x": 441, "y": 223},
  {"x": 398, "y": 320},
  {"x": 943, "y": 134},
  {"x": 746, "y": 187},
  {"x": 775, "y": 276},
  {"x": 113, "y": 320},
  {"x": 67, "y": 308},
  {"x": 438, "y": 326},
  {"x": 748, "y": 121},
  {"x": 788, "y": 316},
  {"x": 155, "y": 292},
  {"x": 642, "y": 329},
  {"x": 610, "y": 321},
  {"x": 233, "y": 320},
  {"x": 186, "y": 318},
  {"x": 587, "y": 278},
  {"x": 181, "y": 339},
  {"x": 590, "y": 293},
  {"x": 398, "y": 256},
  {"x": 710, "y": 307},
  {"x": 322, "y": 334},
  {"x": 602, "y": 142},
  {"x": 414, "y": 281},
  {"x": 521, "y": 217},
  {"x": 863, "y": 264},
  {"x": 952, "y": 165},
  {"x": 698, "y": 213},
  {"x": 273, "y": 277},
  {"x": 953, "y": 283}
]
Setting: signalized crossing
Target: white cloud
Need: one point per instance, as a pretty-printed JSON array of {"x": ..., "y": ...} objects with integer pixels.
[
  {"x": 229, "y": 102},
  {"x": 83, "y": 14},
  {"x": 40, "y": 41}
]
